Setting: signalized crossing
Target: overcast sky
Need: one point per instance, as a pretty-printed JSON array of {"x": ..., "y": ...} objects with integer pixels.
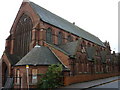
[{"x": 99, "y": 17}]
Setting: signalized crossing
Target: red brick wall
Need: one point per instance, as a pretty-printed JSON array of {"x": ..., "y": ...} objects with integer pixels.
[
  {"x": 24, "y": 9},
  {"x": 64, "y": 58},
  {"x": 23, "y": 75},
  {"x": 86, "y": 77},
  {"x": 6, "y": 61},
  {"x": 55, "y": 32}
]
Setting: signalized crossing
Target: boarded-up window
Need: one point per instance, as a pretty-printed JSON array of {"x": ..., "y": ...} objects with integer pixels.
[{"x": 34, "y": 76}]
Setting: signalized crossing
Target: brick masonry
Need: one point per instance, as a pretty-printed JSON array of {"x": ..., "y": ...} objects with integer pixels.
[{"x": 82, "y": 65}]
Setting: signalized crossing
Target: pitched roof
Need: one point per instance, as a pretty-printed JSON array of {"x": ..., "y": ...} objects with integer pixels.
[
  {"x": 12, "y": 58},
  {"x": 70, "y": 47},
  {"x": 39, "y": 56},
  {"x": 59, "y": 22}
]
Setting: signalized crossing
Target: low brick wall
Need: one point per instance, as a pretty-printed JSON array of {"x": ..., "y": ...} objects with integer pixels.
[{"x": 86, "y": 77}]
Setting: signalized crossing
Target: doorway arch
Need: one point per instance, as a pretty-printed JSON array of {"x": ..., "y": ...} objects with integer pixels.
[{"x": 4, "y": 73}]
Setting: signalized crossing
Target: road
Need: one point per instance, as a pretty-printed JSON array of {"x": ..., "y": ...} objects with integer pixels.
[{"x": 114, "y": 84}]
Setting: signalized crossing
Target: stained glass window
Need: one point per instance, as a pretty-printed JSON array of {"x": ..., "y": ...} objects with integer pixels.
[
  {"x": 60, "y": 38},
  {"x": 23, "y": 35},
  {"x": 49, "y": 35}
]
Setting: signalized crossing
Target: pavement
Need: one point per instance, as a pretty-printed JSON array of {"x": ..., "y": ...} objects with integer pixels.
[{"x": 91, "y": 84}]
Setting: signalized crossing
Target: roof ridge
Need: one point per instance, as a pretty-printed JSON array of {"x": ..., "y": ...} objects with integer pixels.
[
  {"x": 57, "y": 21},
  {"x": 86, "y": 31},
  {"x": 52, "y": 13}
]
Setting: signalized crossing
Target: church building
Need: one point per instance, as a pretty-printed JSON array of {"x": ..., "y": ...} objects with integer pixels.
[{"x": 38, "y": 38}]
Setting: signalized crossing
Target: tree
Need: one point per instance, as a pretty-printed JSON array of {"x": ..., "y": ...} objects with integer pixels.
[{"x": 52, "y": 78}]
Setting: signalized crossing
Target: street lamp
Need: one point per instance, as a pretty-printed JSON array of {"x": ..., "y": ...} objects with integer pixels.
[{"x": 27, "y": 67}]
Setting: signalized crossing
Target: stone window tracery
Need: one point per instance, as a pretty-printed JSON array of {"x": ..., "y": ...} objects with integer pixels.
[
  {"x": 49, "y": 35},
  {"x": 23, "y": 35}
]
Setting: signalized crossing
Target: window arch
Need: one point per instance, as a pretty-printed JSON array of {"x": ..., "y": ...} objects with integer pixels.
[
  {"x": 60, "y": 38},
  {"x": 23, "y": 35},
  {"x": 49, "y": 35},
  {"x": 70, "y": 38}
]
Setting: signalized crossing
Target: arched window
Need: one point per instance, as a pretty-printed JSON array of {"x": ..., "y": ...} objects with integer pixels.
[
  {"x": 60, "y": 38},
  {"x": 82, "y": 49},
  {"x": 70, "y": 38},
  {"x": 49, "y": 35},
  {"x": 23, "y": 35}
]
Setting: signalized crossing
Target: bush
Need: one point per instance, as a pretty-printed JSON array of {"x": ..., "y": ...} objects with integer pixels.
[{"x": 52, "y": 78}]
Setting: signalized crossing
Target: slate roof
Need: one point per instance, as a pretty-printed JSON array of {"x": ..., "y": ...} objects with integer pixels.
[
  {"x": 70, "y": 47},
  {"x": 39, "y": 56},
  {"x": 59, "y": 22},
  {"x": 58, "y": 48},
  {"x": 12, "y": 58}
]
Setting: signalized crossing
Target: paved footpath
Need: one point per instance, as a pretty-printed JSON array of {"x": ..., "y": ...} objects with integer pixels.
[{"x": 94, "y": 83}]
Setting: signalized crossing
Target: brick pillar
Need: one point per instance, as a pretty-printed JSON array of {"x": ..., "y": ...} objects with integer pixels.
[
  {"x": 12, "y": 45},
  {"x": 41, "y": 36},
  {"x": 65, "y": 37},
  {"x": 33, "y": 42}
]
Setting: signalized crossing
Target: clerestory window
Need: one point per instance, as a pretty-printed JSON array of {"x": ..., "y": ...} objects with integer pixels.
[
  {"x": 60, "y": 38},
  {"x": 23, "y": 35},
  {"x": 49, "y": 35},
  {"x": 70, "y": 38}
]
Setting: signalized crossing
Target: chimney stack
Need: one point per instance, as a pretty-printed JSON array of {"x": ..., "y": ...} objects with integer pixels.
[{"x": 73, "y": 23}]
